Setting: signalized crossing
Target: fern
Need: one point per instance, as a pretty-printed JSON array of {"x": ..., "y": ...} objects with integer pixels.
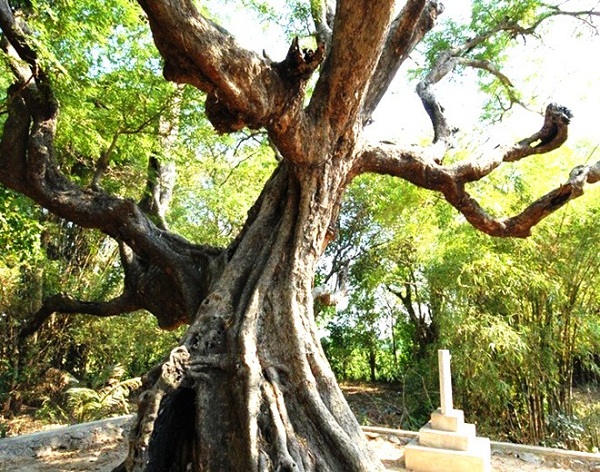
[{"x": 87, "y": 404}]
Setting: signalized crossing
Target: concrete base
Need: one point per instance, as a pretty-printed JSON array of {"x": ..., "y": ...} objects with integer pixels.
[
  {"x": 451, "y": 421},
  {"x": 461, "y": 440},
  {"x": 428, "y": 459}
]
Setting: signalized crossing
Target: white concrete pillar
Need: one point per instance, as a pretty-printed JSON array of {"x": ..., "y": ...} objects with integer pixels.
[{"x": 445, "y": 381}]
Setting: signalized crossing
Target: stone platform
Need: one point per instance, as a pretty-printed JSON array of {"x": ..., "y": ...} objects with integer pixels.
[{"x": 447, "y": 443}]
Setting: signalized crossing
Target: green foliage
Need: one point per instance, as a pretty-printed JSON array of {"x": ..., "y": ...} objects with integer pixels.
[
  {"x": 108, "y": 80},
  {"x": 379, "y": 237},
  {"x": 18, "y": 216},
  {"x": 587, "y": 410},
  {"x": 567, "y": 432},
  {"x": 523, "y": 313},
  {"x": 107, "y": 76},
  {"x": 88, "y": 404},
  {"x": 214, "y": 193},
  {"x": 134, "y": 342},
  {"x": 490, "y": 35},
  {"x": 486, "y": 22},
  {"x": 518, "y": 315},
  {"x": 292, "y": 18}
]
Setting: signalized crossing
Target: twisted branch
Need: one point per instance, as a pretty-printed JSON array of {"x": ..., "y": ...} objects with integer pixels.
[
  {"x": 447, "y": 61},
  {"x": 64, "y": 304},
  {"x": 419, "y": 167},
  {"x": 28, "y": 165}
]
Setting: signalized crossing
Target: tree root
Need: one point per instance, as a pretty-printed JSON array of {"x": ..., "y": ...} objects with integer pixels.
[{"x": 171, "y": 377}]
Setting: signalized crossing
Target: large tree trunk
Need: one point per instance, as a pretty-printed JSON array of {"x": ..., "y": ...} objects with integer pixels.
[{"x": 249, "y": 389}]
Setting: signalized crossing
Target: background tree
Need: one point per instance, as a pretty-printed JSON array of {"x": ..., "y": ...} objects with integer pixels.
[
  {"x": 249, "y": 387},
  {"x": 529, "y": 343},
  {"x": 382, "y": 246},
  {"x": 475, "y": 296}
]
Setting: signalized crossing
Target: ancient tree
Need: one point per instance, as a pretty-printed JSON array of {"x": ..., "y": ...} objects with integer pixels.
[{"x": 249, "y": 387}]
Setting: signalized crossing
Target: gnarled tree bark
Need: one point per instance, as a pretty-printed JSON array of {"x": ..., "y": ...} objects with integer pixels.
[{"x": 265, "y": 398}]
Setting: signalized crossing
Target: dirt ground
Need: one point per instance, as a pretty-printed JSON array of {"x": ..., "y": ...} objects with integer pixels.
[{"x": 101, "y": 446}]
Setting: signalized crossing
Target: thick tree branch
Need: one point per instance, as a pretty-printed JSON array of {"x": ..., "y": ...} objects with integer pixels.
[
  {"x": 420, "y": 168},
  {"x": 27, "y": 165},
  {"x": 520, "y": 225},
  {"x": 159, "y": 190},
  {"x": 417, "y": 165},
  {"x": 442, "y": 131},
  {"x": 199, "y": 52},
  {"x": 64, "y": 304},
  {"x": 358, "y": 38},
  {"x": 416, "y": 18},
  {"x": 322, "y": 14},
  {"x": 146, "y": 286},
  {"x": 243, "y": 88},
  {"x": 15, "y": 34}
]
